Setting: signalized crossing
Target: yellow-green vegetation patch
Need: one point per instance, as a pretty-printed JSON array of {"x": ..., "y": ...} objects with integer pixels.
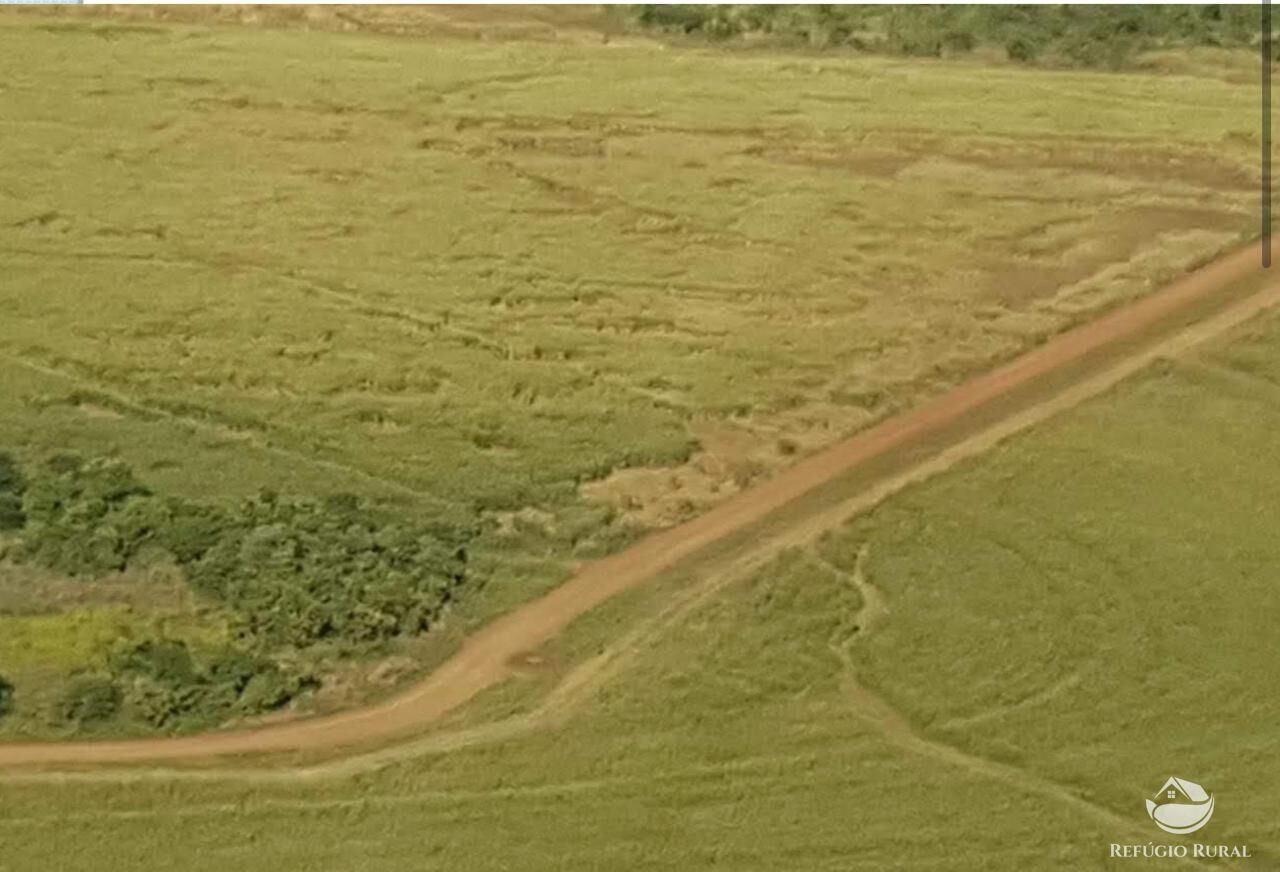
[
  {"x": 83, "y": 638},
  {"x": 77, "y": 640},
  {"x": 41, "y": 656}
]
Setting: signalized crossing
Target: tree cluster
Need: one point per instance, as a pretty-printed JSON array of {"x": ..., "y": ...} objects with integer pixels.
[
  {"x": 299, "y": 572},
  {"x": 1085, "y": 36},
  {"x": 12, "y": 486},
  {"x": 293, "y": 573}
]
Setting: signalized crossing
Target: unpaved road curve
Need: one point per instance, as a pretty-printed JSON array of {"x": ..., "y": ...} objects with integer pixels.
[{"x": 484, "y": 657}]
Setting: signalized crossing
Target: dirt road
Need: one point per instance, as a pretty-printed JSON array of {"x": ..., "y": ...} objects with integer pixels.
[{"x": 1208, "y": 301}]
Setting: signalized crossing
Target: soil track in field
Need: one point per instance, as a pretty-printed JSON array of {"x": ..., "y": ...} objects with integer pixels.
[{"x": 1067, "y": 369}]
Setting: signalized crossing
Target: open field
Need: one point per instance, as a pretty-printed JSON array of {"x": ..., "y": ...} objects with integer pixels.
[
  {"x": 577, "y": 289},
  {"x": 580, "y": 288},
  {"x": 245, "y": 261},
  {"x": 989, "y": 670}
]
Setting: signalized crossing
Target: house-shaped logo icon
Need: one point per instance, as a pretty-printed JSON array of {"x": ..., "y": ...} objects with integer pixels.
[{"x": 1180, "y": 807}]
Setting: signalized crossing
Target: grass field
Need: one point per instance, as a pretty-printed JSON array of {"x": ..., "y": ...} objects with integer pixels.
[
  {"x": 991, "y": 670},
  {"x": 573, "y": 286}
]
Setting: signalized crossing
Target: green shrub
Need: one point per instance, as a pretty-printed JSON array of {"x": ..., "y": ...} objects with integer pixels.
[
  {"x": 160, "y": 705},
  {"x": 165, "y": 660},
  {"x": 11, "y": 515},
  {"x": 193, "y": 529},
  {"x": 86, "y": 517},
  {"x": 165, "y": 686},
  {"x": 1089, "y": 36},
  {"x": 297, "y": 572},
  {"x": 1021, "y": 48},
  {"x": 6, "y": 696},
  {"x": 89, "y": 699},
  {"x": 685, "y": 18},
  {"x": 12, "y": 486},
  {"x": 266, "y": 691},
  {"x": 11, "y": 478}
]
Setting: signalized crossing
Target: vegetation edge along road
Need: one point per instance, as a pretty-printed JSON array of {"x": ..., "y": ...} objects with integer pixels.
[{"x": 1037, "y": 377}]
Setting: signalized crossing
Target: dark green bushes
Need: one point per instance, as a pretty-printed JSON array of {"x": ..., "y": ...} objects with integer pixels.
[
  {"x": 162, "y": 684},
  {"x": 89, "y": 700},
  {"x": 297, "y": 572},
  {"x": 1087, "y": 36},
  {"x": 6, "y": 696},
  {"x": 294, "y": 571},
  {"x": 293, "y": 574},
  {"x": 12, "y": 486},
  {"x": 86, "y": 517},
  {"x": 680, "y": 17}
]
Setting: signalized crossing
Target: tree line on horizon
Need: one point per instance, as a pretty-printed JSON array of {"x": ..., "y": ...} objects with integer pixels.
[{"x": 1069, "y": 35}]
